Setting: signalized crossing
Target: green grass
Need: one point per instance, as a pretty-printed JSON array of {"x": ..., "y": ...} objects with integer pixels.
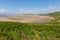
[{"x": 29, "y": 31}]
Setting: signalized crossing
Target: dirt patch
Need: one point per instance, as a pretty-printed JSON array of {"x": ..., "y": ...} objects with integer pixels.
[{"x": 27, "y": 18}]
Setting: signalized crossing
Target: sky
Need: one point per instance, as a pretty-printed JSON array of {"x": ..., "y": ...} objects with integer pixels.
[{"x": 29, "y": 6}]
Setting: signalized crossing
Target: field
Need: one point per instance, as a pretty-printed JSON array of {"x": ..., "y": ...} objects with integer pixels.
[{"x": 31, "y": 31}]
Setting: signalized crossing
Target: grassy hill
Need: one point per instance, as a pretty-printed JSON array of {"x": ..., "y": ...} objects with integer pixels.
[
  {"x": 31, "y": 31},
  {"x": 56, "y": 15}
]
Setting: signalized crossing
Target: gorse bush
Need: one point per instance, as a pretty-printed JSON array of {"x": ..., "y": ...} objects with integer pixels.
[{"x": 29, "y": 31}]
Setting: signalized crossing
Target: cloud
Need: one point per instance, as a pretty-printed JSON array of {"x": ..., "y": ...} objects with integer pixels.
[
  {"x": 3, "y": 10},
  {"x": 21, "y": 9},
  {"x": 55, "y": 8},
  {"x": 41, "y": 10},
  {"x": 31, "y": 11},
  {"x": 50, "y": 9},
  {"x": 28, "y": 10},
  {"x": 58, "y": 8}
]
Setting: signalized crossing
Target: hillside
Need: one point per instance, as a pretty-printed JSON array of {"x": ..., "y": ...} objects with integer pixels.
[
  {"x": 56, "y": 15},
  {"x": 30, "y": 31},
  {"x": 31, "y": 18}
]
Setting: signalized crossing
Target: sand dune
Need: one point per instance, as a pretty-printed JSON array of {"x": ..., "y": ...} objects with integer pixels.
[{"x": 27, "y": 18}]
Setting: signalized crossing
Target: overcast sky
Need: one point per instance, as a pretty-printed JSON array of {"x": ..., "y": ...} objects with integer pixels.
[{"x": 29, "y": 6}]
